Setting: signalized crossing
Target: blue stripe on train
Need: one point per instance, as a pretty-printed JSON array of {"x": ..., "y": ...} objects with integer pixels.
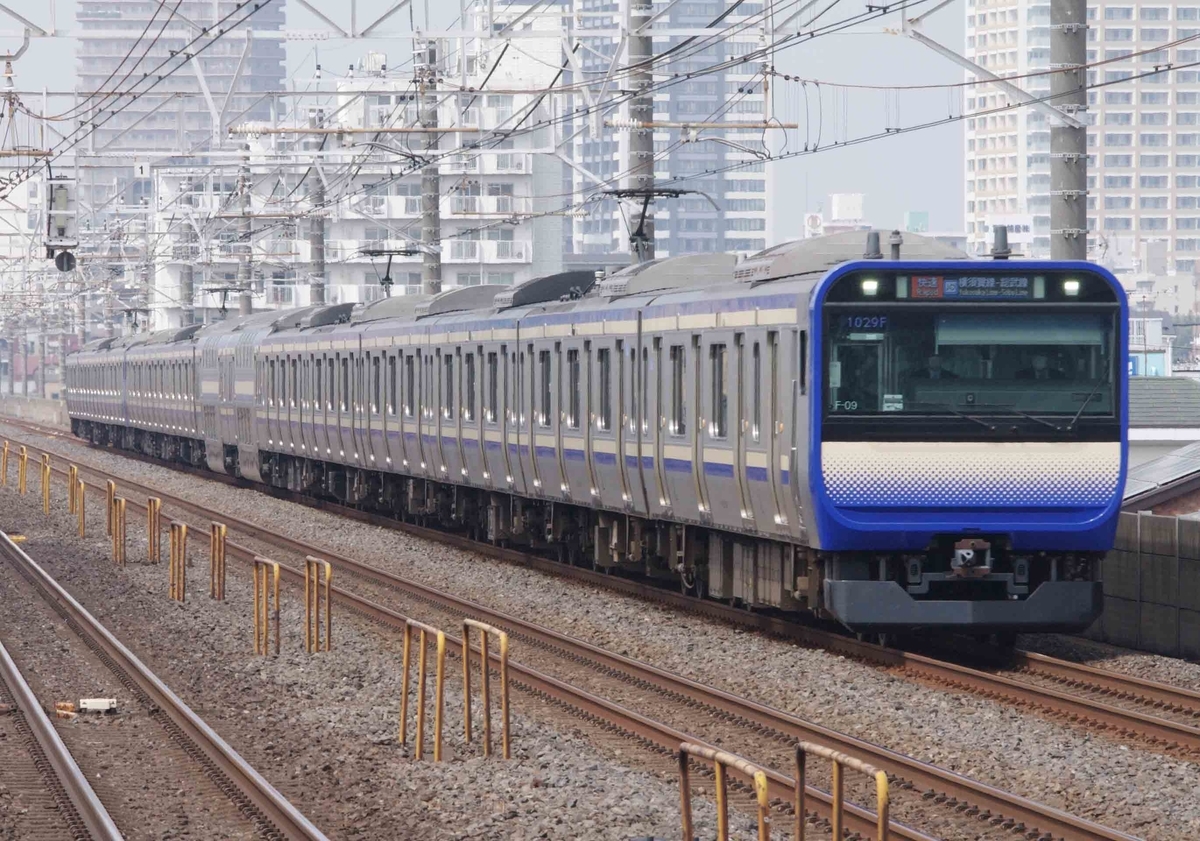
[{"x": 606, "y": 458}]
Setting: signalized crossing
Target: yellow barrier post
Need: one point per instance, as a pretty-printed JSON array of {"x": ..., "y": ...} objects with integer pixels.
[
  {"x": 484, "y": 676},
  {"x": 22, "y": 461},
  {"x": 45, "y": 483},
  {"x": 177, "y": 588},
  {"x": 425, "y": 631},
  {"x": 111, "y": 495},
  {"x": 312, "y": 604},
  {"x": 117, "y": 514},
  {"x": 4, "y": 466},
  {"x": 216, "y": 561},
  {"x": 837, "y": 789},
  {"x": 154, "y": 530},
  {"x": 264, "y": 570},
  {"x": 81, "y": 508},
  {"x": 72, "y": 487},
  {"x": 722, "y": 760}
]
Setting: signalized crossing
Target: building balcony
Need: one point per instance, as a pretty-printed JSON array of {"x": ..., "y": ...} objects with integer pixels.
[
  {"x": 490, "y": 205},
  {"x": 487, "y": 251}
]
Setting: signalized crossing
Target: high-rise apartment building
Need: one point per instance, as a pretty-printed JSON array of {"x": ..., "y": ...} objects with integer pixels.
[
  {"x": 1143, "y": 135},
  {"x": 741, "y": 217},
  {"x": 120, "y": 40}
]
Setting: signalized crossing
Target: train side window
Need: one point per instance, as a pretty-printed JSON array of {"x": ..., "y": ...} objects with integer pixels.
[
  {"x": 544, "y": 391},
  {"x": 273, "y": 392},
  {"x": 493, "y": 376},
  {"x": 392, "y": 391},
  {"x": 573, "y": 389},
  {"x": 604, "y": 361},
  {"x": 803, "y": 361},
  {"x": 469, "y": 387},
  {"x": 756, "y": 393},
  {"x": 409, "y": 387},
  {"x": 295, "y": 388},
  {"x": 635, "y": 401},
  {"x": 448, "y": 388},
  {"x": 344, "y": 384},
  {"x": 318, "y": 385},
  {"x": 376, "y": 385},
  {"x": 718, "y": 426},
  {"x": 678, "y": 420},
  {"x": 645, "y": 389}
]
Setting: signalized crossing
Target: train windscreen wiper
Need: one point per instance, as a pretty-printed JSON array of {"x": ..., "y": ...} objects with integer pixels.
[
  {"x": 1086, "y": 400},
  {"x": 953, "y": 411}
]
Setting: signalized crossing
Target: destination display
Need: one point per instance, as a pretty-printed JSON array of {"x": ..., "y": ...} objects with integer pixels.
[{"x": 939, "y": 288}]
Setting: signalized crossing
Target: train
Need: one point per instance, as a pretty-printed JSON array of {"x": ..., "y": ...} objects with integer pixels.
[{"x": 927, "y": 441}]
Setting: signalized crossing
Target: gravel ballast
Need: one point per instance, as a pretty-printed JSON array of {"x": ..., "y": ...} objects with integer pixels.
[
  {"x": 1142, "y": 793},
  {"x": 322, "y": 728}
]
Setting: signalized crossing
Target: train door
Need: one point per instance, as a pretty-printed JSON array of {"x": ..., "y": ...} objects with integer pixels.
[
  {"x": 696, "y": 393},
  {"x": 655, "y": 369},
  {"x": 392, "y": 447},
  {"x": 470, "y": 435},
  {"x": 522, "y": 480},
  {"x": 507, "y": 416},
  {"x": 424, "y": 412},
  {"x": 458, "y": 471},
  {"x": 720, "y": 480},
  {"x": 758, "y": 437},
  {"x": 681, "y": 466},
  {"x": 633, "y": 420},
  {"x": 573, "y": 434},
  {"x": 493, "y": 419},
  {"x": 409, "y": 422},
  {"x": 545, "y": 420}
]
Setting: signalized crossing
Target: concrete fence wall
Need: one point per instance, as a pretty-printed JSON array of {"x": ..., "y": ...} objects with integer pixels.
[
  {"x": 36, "y": 409},
  {"x": 1152, "y": 586}
]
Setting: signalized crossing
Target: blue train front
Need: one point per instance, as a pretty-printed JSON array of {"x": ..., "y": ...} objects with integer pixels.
[{"x": 966, "y": 442}]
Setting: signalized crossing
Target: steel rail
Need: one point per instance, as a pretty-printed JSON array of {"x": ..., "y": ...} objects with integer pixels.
[
  {"x": 286, "y": 820},
  {"x": 88, "y": 810},
  {"x": 1000, "y": 804}
]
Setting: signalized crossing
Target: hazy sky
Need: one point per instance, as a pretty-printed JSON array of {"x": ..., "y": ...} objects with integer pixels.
[{"x": 914, "y": 171}]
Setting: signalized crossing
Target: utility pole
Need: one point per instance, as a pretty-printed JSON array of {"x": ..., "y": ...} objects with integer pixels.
[
  {"x": 245, "y": 237},
  {"x": 187, "y": 278},
  {"x": 426, "y": 70},
  {"x": 23, "y": 332},
  {"x": 148, "y": 270},
  {"x": 316, "y": 225},
  {"x": 639, "y": 165},
  {"x": 1068, "y": 145}
]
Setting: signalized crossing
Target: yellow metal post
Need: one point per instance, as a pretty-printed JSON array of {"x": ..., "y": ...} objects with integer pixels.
[
  {"x": 421, "y": 655},
  {"x": 111, "y": 493},
  {"x": 4, "y": 465},
  {"x": 216, "y": 560},
  {"x": 72, "y": 487},
  {"x": 722, "y": 761},
  {"x": 404, "y": 683},
  {"x": 266, "y": 581},
  {"x": 153, "y": 529},
  {"x": 485, "y": 683},
  {"x": 118, "y": 531},
  {"x": 840, "y": 762},
  {"x": 312, "y": 604},
  {"x": 22, "y": 462},
  {"x": 81, "y": 507},
  {"x": 45, "y": 483},
  {"x": 177, "y": 588}
]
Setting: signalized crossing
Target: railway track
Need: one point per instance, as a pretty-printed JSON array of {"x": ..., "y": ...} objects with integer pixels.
[
  {"x": 720, "y": 716},
  {"x": 253, "y": 798},
  {"x": 49, "y": 797}
]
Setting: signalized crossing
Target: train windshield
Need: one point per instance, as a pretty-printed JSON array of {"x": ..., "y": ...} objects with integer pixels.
[{"x": 1013, "y": 367}]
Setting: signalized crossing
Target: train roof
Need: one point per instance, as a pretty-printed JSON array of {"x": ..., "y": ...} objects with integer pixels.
[{"x": 820, "y": 254}]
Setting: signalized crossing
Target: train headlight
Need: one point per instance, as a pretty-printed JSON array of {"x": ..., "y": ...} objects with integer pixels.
[
  {"x": 870, "y": 286},
  {"x": 1071, "y": 288}
]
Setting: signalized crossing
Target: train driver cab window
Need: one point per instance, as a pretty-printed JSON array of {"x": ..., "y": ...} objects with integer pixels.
[
  {"x": 573, "y": 403},
  {"x": 677, "y": 424},
  {"x": 604, "y": 362},
  {"x": 493, "y": 377},
  {"x": 718, "y": 426},
  {"x": 544, "y": 389},
  {"x": 469, "y": 387}
]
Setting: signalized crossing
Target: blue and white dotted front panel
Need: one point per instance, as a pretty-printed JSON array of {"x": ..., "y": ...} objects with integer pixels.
[{"x": 971, "y": 474}]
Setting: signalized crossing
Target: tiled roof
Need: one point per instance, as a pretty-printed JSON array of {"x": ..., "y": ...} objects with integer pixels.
[{"x": 1164, "y": 402}]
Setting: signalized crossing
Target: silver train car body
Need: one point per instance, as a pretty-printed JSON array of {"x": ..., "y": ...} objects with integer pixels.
[{"x": 652, "y": 421}]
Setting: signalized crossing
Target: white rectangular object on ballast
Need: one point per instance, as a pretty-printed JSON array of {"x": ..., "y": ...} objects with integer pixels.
[{"x": 98, "y": 705}]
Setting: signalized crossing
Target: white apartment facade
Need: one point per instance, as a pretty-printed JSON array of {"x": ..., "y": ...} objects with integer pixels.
[{"x": 1143, "y": 135}]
